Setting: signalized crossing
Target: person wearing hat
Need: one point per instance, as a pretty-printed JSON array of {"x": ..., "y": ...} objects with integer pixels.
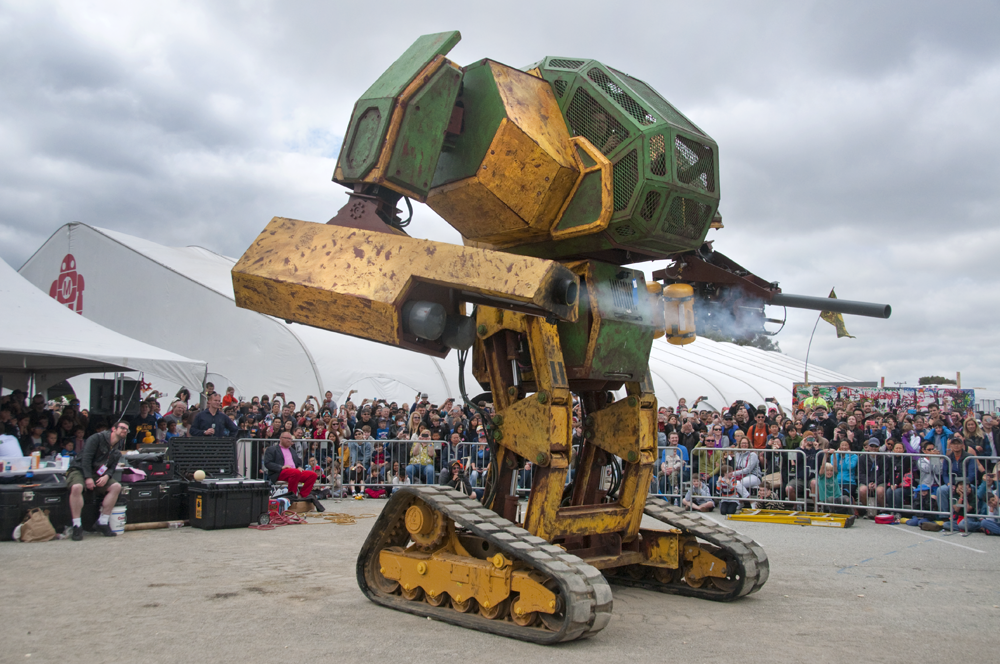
[
  {"x": 457, "y": 479},
  {"x": 871, "y": 476},
  {"x": 729, "y": 426}
]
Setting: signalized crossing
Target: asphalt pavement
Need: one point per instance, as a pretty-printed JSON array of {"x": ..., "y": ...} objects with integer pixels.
[{"x": 874, "y": 593}]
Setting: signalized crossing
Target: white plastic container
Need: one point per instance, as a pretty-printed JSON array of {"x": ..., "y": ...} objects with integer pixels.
[{"x": 117, "y": 521}]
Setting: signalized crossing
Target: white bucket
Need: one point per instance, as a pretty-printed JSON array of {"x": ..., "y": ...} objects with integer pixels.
[{"x": 117, "y": 521}]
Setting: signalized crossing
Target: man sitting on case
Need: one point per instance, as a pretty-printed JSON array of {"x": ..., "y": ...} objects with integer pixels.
[
  {"x": 284, "y": 465},
  {"x": 94, "y": 469}
]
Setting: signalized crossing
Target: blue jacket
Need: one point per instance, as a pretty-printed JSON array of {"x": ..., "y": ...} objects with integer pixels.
[
  {"x": 847, "y": 465},
  {"x": 940, "y": 440}
]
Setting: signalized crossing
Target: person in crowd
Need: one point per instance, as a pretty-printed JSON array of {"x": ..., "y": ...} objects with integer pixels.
[
  {"x": 93, "y": 470},
  {"x": 672, "y": 466},
  {"x": 709, "y": 455},
  {"x": 812, "y": 402},
  {"x": 458, "y": 480},
  {"x": 963, "y": 507},
  {"x": 899, "y": 476},
  {"x": 377, "y": 467},
  {"x": 746, "y": 465},
  {"x": 283, "y": 464},
  {"x": 758, "y": 431},
  {"x": 361, "y": 448},
  {"x": 230, "y": 398},
  {"x": 356, "y": 478},
  {"x": 987, "y": 495},
  {"x": 940, "y": 434},
  {"x": 801, "y": 467},
  {"x": 730, "y": 491},
  {"x": 828, "y": 490},
  {"x": 847, "y": 470},
  {"x": 774, "y": 466},
  {"x": 479, "y": 459},
  {"x": 698, "y": 497},
  {"x": 399, "y": 476},
  {"x": 871, "y": 476},
  {"x": 957, "y": 466},
  {"x": 422, "y": 454},
  {"x": 212, "y": 422}
]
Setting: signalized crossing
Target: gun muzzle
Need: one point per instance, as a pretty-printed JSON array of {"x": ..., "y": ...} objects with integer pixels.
[{"x": 869, "y": 309}]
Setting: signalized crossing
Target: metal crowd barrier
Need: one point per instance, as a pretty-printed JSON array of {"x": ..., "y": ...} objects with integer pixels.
[
  {"x": 864, "y": 481},
  {"x": 890, "y": 482}
]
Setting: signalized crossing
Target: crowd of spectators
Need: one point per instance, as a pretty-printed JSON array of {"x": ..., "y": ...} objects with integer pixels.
[{"x": 850, "y": 456}]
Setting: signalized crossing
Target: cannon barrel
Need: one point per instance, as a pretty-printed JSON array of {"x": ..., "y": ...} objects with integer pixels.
[{"x": 870, "y": 309}]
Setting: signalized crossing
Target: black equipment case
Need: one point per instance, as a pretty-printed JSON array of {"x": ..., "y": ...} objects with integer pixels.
[
  {"x": 17, "y": 499},
  {"x": 149, "y": 502},
  {"x": 224, "y": 499}
]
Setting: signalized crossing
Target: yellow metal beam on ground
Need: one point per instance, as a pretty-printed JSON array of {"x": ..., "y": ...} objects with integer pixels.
[{"x": 795, "y": 518}]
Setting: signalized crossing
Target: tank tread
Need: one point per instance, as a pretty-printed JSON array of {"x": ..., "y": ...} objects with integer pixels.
[
  {"x": 752, "y": 567},
  {"x": 585, "y": 593}
]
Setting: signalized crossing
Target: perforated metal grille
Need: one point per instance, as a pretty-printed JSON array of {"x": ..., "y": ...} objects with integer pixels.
[
  {"x": 624, "y": 230},
  {"x": 686, "y": 217},
  {"x": 626, "y": 177},
  {"x": 587, "y": 118},
  {"x": 560, "y": 87},
  {"x": 650, "y": 205},
  {"x": 695, "y": 164},
  {"x": 623, "y": 294},
  {"x": 560, "y": 63},
  {"x": 658, "y": 155},
  {"x": 622, "y": 98},
  {"x": 657, "y": 103}
]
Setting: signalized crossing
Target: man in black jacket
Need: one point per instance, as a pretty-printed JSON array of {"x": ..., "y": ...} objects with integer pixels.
[
  {"x": 212, "y": 421},
  {"x": 93, "y": 469},
  {"x": 284, "y": 465}
]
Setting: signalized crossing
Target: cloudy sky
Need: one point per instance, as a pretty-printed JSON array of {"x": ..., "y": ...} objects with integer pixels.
[{"x": 856, "y": 144}]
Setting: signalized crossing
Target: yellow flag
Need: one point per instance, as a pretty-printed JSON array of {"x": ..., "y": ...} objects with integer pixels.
[{"x": 837, "y": 320}]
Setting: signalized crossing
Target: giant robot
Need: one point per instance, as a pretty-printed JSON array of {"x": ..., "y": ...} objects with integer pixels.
[{"x": 557, "y": 176}]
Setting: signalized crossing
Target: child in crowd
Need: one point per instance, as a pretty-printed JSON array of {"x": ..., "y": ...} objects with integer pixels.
[
  {"x": 399, "y": 477},
  {"x": 698, "y": 497},
  {"x": 171, "y": 432},
  {"x": 729, "y": 491},
  {"x": 828, "y": 489},
  {"x": 356, "y": 477},
  {"x": 69, "y": 448},
  {"x": 161, "y": 431}
]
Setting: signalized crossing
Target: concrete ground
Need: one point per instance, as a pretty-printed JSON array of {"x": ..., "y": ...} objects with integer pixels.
[{"x": 873, "y": 593}]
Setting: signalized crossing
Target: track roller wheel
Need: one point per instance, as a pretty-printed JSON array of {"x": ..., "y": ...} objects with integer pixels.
[
  {"x": 413, "y": 594},
  {"x": 497, "y": 611},
  {"x": 436, "y": 600},
  {"x": 692, "y": 581},
  {"x": 731, "y": 581},
  {"x": 524, "y": 619},
  {"x": 386, "y": 585},
  {"x": 554, "y": 620},
  {"x": 465, "y": 606},
  {"x": 665, "y": 574}
]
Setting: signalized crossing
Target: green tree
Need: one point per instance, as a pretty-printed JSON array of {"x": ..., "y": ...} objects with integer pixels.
[{"x": 935, "y": 380}]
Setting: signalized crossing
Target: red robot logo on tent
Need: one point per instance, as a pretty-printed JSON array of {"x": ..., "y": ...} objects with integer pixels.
[{"x": 68, "y": 287}]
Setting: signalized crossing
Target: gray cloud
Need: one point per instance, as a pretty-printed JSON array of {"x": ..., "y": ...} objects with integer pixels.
[{"x": 857, "y": 140}]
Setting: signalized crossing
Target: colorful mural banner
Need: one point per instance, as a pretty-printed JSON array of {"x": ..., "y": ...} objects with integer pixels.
[{"x": 886, "y": 398}]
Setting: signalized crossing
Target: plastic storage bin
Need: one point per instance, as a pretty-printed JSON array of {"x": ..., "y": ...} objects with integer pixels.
[{"x": 227, "y": 503}]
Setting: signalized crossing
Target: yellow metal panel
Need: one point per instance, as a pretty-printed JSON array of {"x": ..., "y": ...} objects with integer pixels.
[
  {"x": 532, "y": 106},
  {"x": 490, "y": 217},
  {"x": 354, "y": 281},
  {"x": 526, "y": 176}
]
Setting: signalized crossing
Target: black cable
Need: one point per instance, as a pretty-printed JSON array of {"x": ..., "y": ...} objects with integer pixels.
[
  {"x": 490, "y": 483},
  {"x": 409, "y": 206}
]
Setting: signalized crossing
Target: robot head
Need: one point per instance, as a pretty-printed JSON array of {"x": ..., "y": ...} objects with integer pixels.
[
  {"x": 68, "y": 264},
  {"x": 666, "y": 169}
]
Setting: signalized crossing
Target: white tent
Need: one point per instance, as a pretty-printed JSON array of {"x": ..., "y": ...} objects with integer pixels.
[
  {"x": 182, "y": 299},
  {"x": 725, "y": 372},
  {"x": 44, "y": 339}
]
